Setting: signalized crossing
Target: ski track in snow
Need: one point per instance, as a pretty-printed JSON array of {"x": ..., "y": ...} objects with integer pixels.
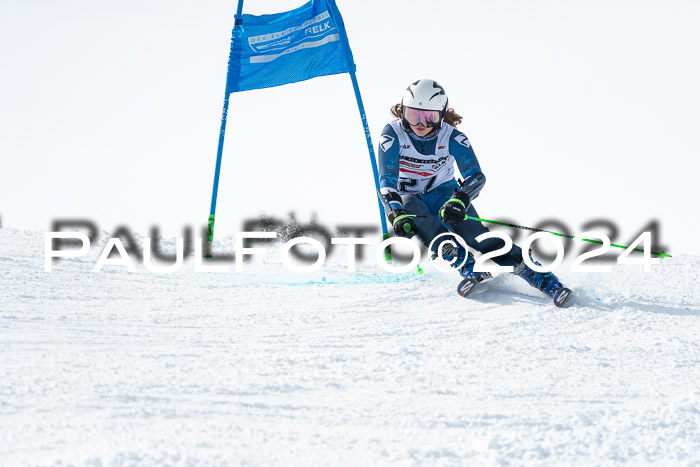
[{"x": 269, "y": 367}]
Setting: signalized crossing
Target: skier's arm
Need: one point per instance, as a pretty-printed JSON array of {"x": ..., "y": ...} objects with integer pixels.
[
  {"x": 401, "y": 220},
  {"x": 454, "y": 210},
  {"x": 461, "y": 149},
  {"x": 389, "y": 170}
]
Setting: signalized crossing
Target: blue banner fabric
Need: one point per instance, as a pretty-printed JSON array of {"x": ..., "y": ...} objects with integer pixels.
[{"x": 272, "y": 50}]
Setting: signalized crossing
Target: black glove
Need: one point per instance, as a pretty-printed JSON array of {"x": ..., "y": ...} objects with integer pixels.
[
  {"x": 455, "y": 209},
  {"x": 403, "y": 223}
]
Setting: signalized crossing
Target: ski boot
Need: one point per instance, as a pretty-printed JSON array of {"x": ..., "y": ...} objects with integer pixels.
[
  {"x": 546, "y": 282},
  {"x": 470, "y": 278}
]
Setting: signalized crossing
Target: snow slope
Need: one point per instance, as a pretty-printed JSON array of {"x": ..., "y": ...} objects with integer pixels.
[{"x": 269, "y": 367}]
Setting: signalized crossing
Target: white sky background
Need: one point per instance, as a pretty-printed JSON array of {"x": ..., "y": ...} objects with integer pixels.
[{"x": 110, "y": 111}]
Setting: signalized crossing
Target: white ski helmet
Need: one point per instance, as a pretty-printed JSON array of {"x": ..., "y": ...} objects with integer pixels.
[{"x": 424, "y": 94}]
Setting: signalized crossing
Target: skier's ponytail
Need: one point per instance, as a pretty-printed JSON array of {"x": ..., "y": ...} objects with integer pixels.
[{"x": 452, "y": 117}]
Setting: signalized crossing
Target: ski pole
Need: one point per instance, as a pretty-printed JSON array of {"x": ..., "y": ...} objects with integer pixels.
[{"x": 660, "y": 254}]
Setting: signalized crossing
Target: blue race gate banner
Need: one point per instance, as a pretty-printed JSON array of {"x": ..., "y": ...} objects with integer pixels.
[
  {"x": 272, "y": 50},
  {"x": 282, "y": 48}
]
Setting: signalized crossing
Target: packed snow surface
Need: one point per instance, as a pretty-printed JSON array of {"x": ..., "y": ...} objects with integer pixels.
[{"x": 271, "y": 367}]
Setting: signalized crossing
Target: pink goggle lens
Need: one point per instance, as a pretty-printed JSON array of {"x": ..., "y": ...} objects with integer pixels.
[{"x": 429, "y": 118}]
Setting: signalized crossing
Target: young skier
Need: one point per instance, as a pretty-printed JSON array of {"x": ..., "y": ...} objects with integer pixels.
[{"x": 421, "y": 196}]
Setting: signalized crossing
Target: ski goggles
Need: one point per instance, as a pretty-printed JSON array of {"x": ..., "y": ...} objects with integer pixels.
[{"x": 429, "y": 118}]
